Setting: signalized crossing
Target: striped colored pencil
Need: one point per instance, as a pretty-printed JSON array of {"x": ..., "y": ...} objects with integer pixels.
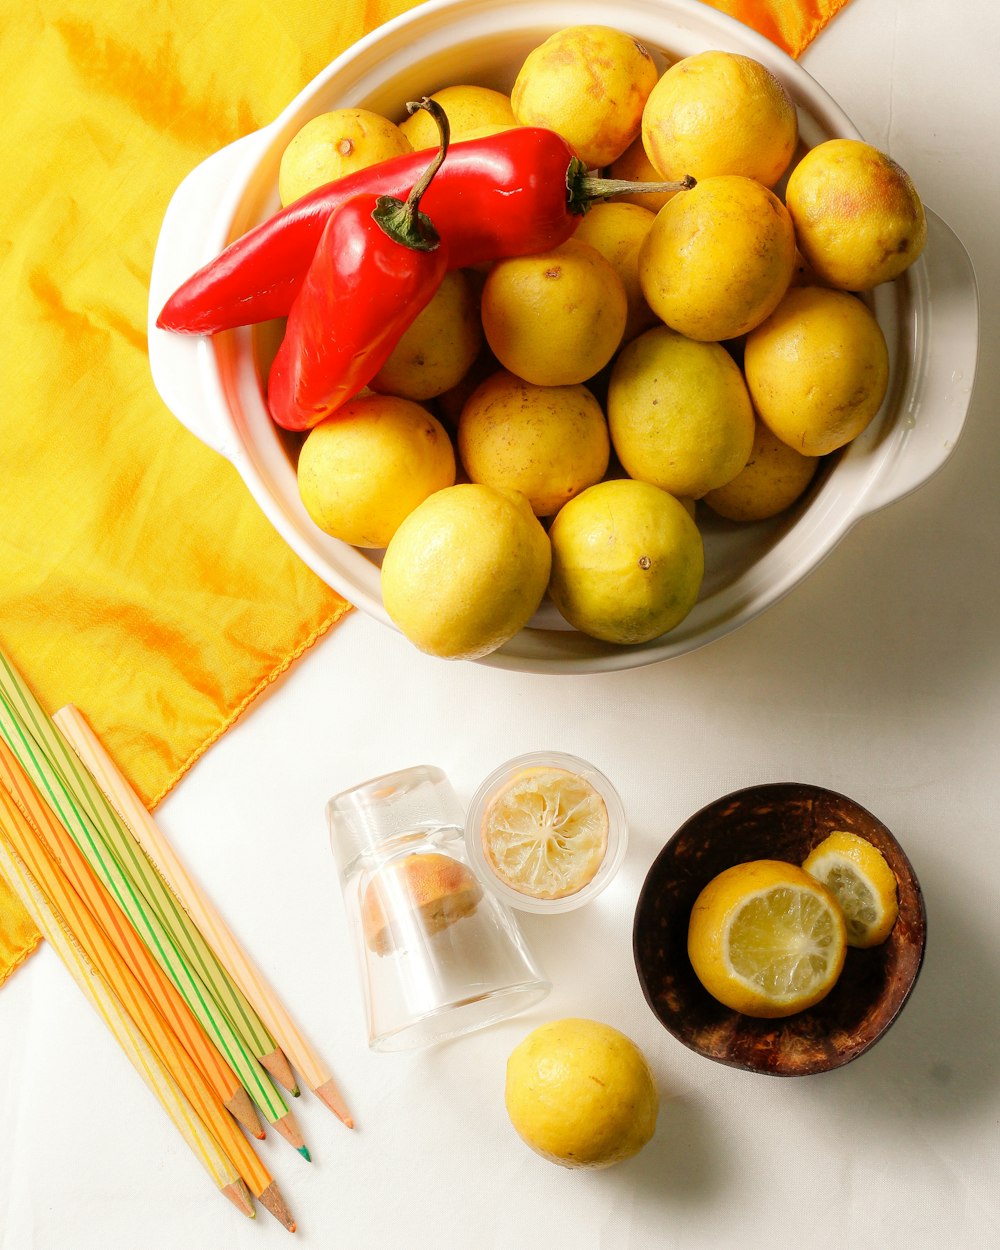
[
  {"x": 142, "y": 1057},
  {"x": 42, "y": 839},
  {"x": 199, "y": 906},
  {"x": 34, "y": 756},
  {"x": 132, "y": 861}
]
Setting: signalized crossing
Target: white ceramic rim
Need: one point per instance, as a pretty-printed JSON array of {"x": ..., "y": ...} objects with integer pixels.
[{"x": 212, "y": 385}]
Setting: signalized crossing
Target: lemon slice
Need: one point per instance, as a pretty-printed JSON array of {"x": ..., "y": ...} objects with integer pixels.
[
  {"x": 545, "y": 833},
  {"x": 857, "y": 875},
  {"x": 766, "y": 939}
]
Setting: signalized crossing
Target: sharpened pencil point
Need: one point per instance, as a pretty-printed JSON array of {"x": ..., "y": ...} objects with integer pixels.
[
  {"x": 304, "y": 1152},
  {"x": 331, "y": 1096}
]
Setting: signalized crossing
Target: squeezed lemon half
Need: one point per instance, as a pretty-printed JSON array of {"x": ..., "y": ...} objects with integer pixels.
[
  {"x": 857, "y": 875},
  {"x": 766, "y": 939},
  {"x": 545, "y": 832}
]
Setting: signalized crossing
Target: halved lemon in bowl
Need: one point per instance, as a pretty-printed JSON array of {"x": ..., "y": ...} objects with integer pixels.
[
  {"x": 767, "y": 939},
  {"x": 864, "y": 885}
]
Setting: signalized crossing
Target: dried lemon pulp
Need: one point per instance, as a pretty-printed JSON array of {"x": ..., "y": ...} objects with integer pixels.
[{"x": 545, "y": 833}]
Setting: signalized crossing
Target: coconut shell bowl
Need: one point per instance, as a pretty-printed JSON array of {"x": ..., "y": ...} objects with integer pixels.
[{"x": 775, "y": 821}]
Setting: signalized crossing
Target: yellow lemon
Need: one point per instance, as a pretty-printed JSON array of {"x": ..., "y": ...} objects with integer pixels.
[
  {"x": 439, "y": 347},
  {"x": 679, "y": 413},
  {"x": 554, "y": 318},
  {"x": 365, "y": 469},
  {"x": 774, "y": 477},
  {"x": 634, "y": 165},
  {"x": 545, "y": 833},
  {"x": 589, "y": 84},
  {"x": 416, "y": 896},
  {"x": 720, "y": 113},
  {"x": 618, "y": 232},
  {"x": 333, "y": 145},
  {"x": 817, "y": 369},
  {"x": 581, "y": 1094},
  {"x": 548, "y": 442},
  {"x": 627, "y": 561},
  {"x": 858, "y": 877},
  {"x": 465, "y": 571},
  {"x": 766, "y": 939},
  {"x": 718, "y": 258},
  {"x": 857, "y": 215},
  {"x": 468, "y": 108}
]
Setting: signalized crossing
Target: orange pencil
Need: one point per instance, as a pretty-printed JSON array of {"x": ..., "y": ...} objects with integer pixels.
[
  {"x": 303, "y": 1056},
  {"x": 24, "y": 839},
  {"x": 108, "y": 1006},
  {"x": 61, "y": 848}
]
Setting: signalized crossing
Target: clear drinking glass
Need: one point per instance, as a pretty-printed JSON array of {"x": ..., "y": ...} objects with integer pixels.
[{"x": 438, "y": 954}]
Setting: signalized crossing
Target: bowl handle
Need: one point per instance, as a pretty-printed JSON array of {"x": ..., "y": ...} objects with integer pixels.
[
  {"x": 944, "y": 349},
  {"x": 182, "y": 365}
]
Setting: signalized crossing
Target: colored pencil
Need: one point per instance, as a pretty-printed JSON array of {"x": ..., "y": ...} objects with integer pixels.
[
  {"x": 201, "y": 909},
  {"x": 34, "y": 751},
  {"x": 20, "y": 834},
  {"x": 130, "y": 1038},
  {"x": 43, "y": 837},
  {"x": 123, "y": 846}
]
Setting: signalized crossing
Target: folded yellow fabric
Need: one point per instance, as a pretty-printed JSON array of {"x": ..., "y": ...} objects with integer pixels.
[{"x": 138, "y": 580}]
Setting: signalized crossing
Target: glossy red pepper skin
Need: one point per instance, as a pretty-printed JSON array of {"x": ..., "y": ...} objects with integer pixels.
[
  {"x": 503, "y": 195},
  {"x": 360, "y": 292}
]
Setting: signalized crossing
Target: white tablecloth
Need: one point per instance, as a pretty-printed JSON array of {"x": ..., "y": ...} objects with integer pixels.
[{"x": 876, "y": 677}]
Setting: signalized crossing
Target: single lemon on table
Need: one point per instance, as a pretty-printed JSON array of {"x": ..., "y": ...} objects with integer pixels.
[
  {"x": 438, "y": 348},
  {"x": 545, "y": 832},
  {"x": 469, "y": 108},
  {"x": 817, "y": 369},
  {"x": 466, "y": 570},
  {"x": 679, "y": 413},
  {"x": 554, "y": 318},
  {"x": 720, "y": 113},
  {"x": 774, "y": 477},
  {"x": 858, "y": 218},
  {"x": 718, "y": 258},
  {"x": 618, "y": 232},
  {"x": 766, "y": 939},
  {"x": 588, "y": 84},
  {"x": 334, "y": 145},
  {"x": 857, "y": 875},
  {"x": 627, "y": 561},
  {"x": 548, "y": 442},
  {"x": 581, "y": 1094},
  {"x": 363, "y": 470}
]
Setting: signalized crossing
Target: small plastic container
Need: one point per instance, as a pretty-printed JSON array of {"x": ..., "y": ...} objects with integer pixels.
[
  {"x": 617, "y": 835},
  {"x": 438, "y": 955}
]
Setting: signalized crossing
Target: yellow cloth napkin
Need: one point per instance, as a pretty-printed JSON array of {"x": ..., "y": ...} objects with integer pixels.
[{"x": 138, "y": 580}]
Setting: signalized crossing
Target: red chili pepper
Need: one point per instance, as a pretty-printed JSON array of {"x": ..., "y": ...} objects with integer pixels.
[
  {"x": 510, "y": 194},
  {"x": 378, "y": 263}
]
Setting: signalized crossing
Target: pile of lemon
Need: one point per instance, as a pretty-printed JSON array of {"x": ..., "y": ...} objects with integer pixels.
[{"x": 548, "y": 425}]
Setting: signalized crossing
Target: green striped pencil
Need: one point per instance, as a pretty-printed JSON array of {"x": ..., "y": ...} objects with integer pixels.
[{"x": 35, "y": 741}]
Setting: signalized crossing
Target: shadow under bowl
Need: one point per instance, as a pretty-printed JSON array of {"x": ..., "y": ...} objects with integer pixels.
[{"x": 783, "y": 820}]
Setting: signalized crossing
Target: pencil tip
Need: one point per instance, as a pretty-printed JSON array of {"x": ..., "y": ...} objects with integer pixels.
[{"x": 304, "y": 1152}]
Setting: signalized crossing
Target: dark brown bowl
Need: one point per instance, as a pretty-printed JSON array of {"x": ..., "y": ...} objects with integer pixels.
[{"x": 779, "y": 821}]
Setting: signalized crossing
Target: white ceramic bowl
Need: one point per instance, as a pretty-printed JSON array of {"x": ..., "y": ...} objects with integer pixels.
[{"x": 213, "y": 385}]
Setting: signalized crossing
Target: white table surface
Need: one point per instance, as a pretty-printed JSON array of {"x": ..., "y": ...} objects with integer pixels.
[{"x": 876, "y": 677}]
